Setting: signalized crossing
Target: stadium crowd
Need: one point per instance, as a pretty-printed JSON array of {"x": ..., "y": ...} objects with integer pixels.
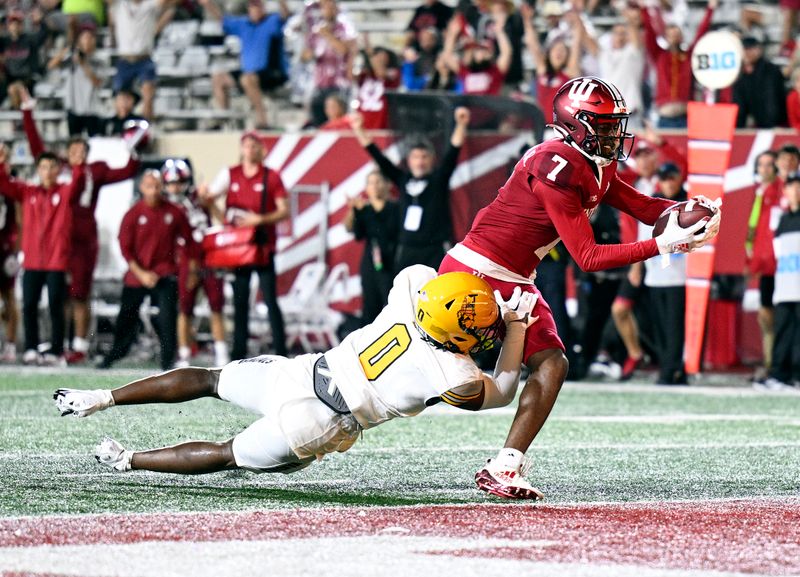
[{"x": 313, "y": 55}]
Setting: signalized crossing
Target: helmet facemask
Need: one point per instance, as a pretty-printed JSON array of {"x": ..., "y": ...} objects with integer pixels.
[{"x": 607, "y": 138}]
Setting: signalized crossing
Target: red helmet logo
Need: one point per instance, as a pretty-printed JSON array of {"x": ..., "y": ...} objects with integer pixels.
[{"x": 591, "y": 114}]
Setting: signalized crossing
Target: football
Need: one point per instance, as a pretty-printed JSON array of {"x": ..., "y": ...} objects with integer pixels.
[{"x": 689, "y": 213}]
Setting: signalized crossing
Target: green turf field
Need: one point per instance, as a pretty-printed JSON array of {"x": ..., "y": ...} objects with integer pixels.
[{"x": 602, "y": 443}]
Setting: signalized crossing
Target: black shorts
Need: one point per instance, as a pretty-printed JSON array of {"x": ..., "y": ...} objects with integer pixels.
[
  {"x": 268, "y": 78},
  {"x": 766, "y": 286},
  {"x": 627, "y": 291}
]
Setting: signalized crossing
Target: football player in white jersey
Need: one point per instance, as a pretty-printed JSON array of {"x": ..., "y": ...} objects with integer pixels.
[{"x": 415, "y": 354}]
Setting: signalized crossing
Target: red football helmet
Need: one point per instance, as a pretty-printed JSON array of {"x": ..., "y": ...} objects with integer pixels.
[{"x": 591, "y": 114}]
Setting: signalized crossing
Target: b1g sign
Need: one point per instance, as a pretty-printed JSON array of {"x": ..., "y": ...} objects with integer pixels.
[{"x": 717, "y": 59}]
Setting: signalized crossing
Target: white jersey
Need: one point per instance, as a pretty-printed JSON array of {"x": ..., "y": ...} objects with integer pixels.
[{"x": 386, "y": 369}]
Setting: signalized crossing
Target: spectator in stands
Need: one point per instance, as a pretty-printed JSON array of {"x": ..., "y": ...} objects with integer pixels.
[
  {"x": 431, "y": 14},
  {"x": 331, "y": 45},
  {"x": 376, "y": 221},
  {"x": 178, "y": 180},
  {"x": 335, "y": 114},
  {"x": 760, "y": 263},
  {"x": 621, "y": 59},
  {"x": 19, "y": 52},
  {"x": 505, "y": 12},
  {"x": 151, "y": 235},
  {"x": 667, "y": 290},
  {"x": 47, "y": 222},
  {"x": 254, "y": 196},
  {"x": 785, "y": 369},
  {"x": 9, "y": 267},
  {"x": 419, "y": 61},
  {"x": 381, "y": 73},
  {"x": 82, "y": 82},
  {"x": 136, "y": 24},
  {"x": 570, "y": 20},
  {"x": 478, "y": 69},
  {"x": 793, "y": 101},
  {"x": 84, "y": 242},
  {"x": 425, "y": 230},
  {"x": 759, "y": 90},
  {"x": 673, "y": 66},
  {"x": 788, "y": 160},
  {"x": 554, "y": 66},
  {"x": 125, "y": 100},
  {"x": 262, "y": 60}
]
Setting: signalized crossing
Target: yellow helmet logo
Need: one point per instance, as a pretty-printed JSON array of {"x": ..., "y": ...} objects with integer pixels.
[{"x": 457, "y": 311}]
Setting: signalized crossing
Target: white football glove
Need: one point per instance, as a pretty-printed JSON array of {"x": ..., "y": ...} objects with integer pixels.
[
  {"x": 518, "y": 307},
  {"x": 675, "y": 238}
]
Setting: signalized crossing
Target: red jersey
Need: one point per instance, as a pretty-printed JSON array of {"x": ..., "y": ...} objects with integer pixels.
[
  {"x": 98, "y": 175},
  {"x": 762, "y": 260},
  {"x": 153, "y": 237},
  {"x": 371, "y": 99},
  {"x": 488, "y": 81},
  {"x": 548, "y": 197},
  {"x": 245, "y": 193},
  {"x": 46, "y": 219}
]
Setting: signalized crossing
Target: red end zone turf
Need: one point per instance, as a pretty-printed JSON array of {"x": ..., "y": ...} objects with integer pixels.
[{"x": 756, "y": 536}]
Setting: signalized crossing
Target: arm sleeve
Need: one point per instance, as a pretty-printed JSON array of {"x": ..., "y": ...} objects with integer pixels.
[
  {"x": 112, "y": 175},
  {"x": 78, "y": 182},
  {"x": 627, "y": 199},
  {"x": 449, "y": 163},
  {"x": 11, "y": 187},
  {"x": 572, "y": 225},
  {"x": 126, "y": 238},
  {"x": 230, "y": 25},
  {"x": 385, "y": 165},
  {"x": 650, "y": 40},
  {"x": 191, "y": 247},
  {"x": 501, "y": 388},
  {"x": 32, "y": 133}
]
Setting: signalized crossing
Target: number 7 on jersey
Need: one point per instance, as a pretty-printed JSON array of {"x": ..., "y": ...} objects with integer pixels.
[{"x": 560, "y": 164}]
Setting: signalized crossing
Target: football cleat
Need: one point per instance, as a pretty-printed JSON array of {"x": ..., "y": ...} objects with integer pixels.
[
  {"x": 76, "y": 357},
  {"x": 30, "y": 357},
  {"x": 82, "y": 403},
  {"x": 506, "y": 482},
  {"x": 774, "y": 385},
  {"x": 631, "y": 366},
  {"x": 113, "y": 455}
]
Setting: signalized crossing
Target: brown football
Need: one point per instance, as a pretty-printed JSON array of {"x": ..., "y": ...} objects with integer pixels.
[{"x": 689, "y": 213}]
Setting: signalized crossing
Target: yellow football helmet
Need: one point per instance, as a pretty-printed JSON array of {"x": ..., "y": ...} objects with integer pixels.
[{"x": 457, "y": 311}]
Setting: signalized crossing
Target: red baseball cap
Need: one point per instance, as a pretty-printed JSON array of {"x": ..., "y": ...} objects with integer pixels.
[
  {"x": 17, "y": 15},
  {"x": 251, "y": 134}
]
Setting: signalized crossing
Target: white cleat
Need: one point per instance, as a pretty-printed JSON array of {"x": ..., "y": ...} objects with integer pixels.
[
  {"x": 113, "y": 455},
  {"x": 774, "y": 385},
  {"x": 82, "y": 403}
]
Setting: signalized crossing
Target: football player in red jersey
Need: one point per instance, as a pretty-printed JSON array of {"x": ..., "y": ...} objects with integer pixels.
[
  {"x": 178, "y": 184},
  {"x": 548, "y": 197}
]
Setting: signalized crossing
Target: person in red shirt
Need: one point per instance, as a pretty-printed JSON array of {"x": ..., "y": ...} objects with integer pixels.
[
  {"x": 84, "y": 245},
  {"x": 9, "y": 266},
  {"x": 673, "y": 67},
  {"x": 336, "y": 113},
  {"x": 763, "y": 221},
  {"x": 382, "y": 73},
  {"x": 47, "y": 230},
  {"x": 254, "y": 196},
  {"x": 549, "y": 197},
  {"x": 152, "y": 234},
  {"x": 556, "y": 64},
  {"x": 178, "y": 182},
  {"x": 478, "y": 69},
  {"x": 793, "y": 101}
]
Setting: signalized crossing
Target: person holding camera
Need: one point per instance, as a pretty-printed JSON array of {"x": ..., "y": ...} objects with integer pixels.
[{"x": 254, "y": 197}]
